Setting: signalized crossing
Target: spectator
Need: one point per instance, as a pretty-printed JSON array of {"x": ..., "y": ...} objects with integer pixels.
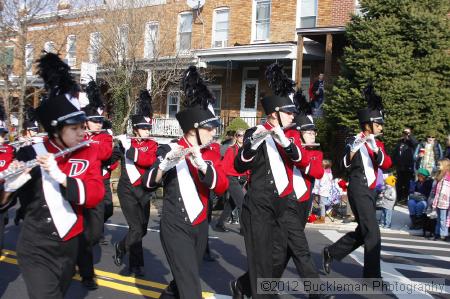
[
  {"x": 316, "y": 92},
  {"x": 418, "y": 195},
  {"x": 403, "y": 159},
  {"x": 428, "y": 153},
  {"x": 227, "y": 141},
  {"x": 324, "y": 190},
  {"x": 388, "y": 196},
  {"x": 441, "y": 196},
  {"x": 447, "y": 151}
]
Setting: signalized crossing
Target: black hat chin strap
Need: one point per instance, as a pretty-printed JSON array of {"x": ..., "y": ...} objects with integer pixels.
[
  {"x": 279, "y": 119},
  {"x": 197, "y": 134}
]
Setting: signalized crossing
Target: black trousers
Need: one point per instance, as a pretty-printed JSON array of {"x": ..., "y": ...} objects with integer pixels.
[
  {"x": 92, "y": 232},
  {"x": 184, "y": 246},
  {"x": 47, "y": 266},
  {"x": 107, "y": 200},
  {"x": 293, "y": 243},
  {"x": 262, "y": 228},
  {"x": 367, "y": 233},
  {"x": 2, "y": 229},
  {"x": 236, "y": 194},
  {"x": 135, "y": 204},
  {"x": 402, "y": 184}
]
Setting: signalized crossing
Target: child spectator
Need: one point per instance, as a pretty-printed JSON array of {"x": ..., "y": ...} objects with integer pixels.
[
  {"x": 324, "y": 190},
  {"x": 440, "y": 195},
  {"x": 389, "y": 195},
  {"x": 419, "y": 191}
]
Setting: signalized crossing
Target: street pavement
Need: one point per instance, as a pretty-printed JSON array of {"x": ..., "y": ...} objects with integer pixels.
[{"x": 405, "y": 258}]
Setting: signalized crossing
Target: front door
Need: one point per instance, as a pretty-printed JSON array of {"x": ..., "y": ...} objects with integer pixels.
[{"x": 249, "y": 100}]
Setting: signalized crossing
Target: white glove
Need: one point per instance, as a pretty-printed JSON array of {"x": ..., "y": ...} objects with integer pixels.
[
  {"x": 124, "y": 140},
  {"x": 197, "y": 159},
  {"x": 357, "y": 144},
  {"x": 372, "y": 143},
  {"x": 255, "y": 143},
  {"x": 14, "y": 183},
  {"x": 280, "y": 138},
  {"x": 54, "y": 171},
  {"x": 170, "y": 160}
]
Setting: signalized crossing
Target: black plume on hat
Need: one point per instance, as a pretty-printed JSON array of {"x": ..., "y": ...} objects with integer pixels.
[
  {"x": 374, "y": 101},
  {"x": 144, "y": 104},
  {"x": 30, "y": 121},
  {"x": 94, "y": 95},
  {"x": 56, "y": 75},
  {"x": 279, "y": 82},
  {"x": 302, "y": 104},
  {"x": 195, "y": 90},
  {"x": 2, "y": 113}
]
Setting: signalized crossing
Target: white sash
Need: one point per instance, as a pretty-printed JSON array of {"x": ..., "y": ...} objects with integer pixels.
[
  {"x": 188, "y": 191},
  {"x": 277, "y": 166},
  {"x": 61, "y": 211},
  {"x": 299, "y": 183},
  {"x": 368, "y": 165},
  {"x": 132, "y": 171}
]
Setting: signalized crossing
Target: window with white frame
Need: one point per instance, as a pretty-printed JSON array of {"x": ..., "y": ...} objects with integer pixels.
[
  {"x": 122, "y": 45},
  {"x": 71, "y": 49},
  {"x": 173, "y": 103},
  {"x": 308, "y": 13},
  {"x": 216, "y": 90},
  {"x": 94, "y": 47},
  {"x": 262, "y": 20},
  {"x": 150, "y": 39},
  {"x": 184, "y": 31},
  {"x": 49, "y": 47},
  {"x": 221, "y": 24},
  {"x": 29, "y": 53}
]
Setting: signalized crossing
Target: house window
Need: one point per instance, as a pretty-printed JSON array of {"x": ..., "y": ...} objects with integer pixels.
[
  {"x": 71, "y": 49},
  {"x": 184, "y": 32},
  {"x": 308, "y": 13},
  {"x": 220, "y": 36},
  {"x": 49, "y": 47},
  {"x": 173, "y": 103},
  {"x": 29, "y": 53},
  {"x": 94, "y": 47},
  {"x": 217, "y": 93},
  {"x": 250, "y": 90},
  {"x": 122, "y": 46},
  {"x": 150, "y": 38},
  {"x": 262, "y": 20},
  {"x": 6, "y": 56}
]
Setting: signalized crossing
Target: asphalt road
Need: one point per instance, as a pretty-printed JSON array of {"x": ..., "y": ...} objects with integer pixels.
[{"x": 404, "y": 259}]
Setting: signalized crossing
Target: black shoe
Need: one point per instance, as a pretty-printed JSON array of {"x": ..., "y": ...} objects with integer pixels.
[
  {"x": 89, "y": 283},
  {"x": 220, "y": 228},
  {"x": 103, "y": 241},
  {"x": 236, "y": 292},
  {"x": 137, "y": 271},
  {"x": 327, "y": 259},
  {"x": 118, "y": 257}
]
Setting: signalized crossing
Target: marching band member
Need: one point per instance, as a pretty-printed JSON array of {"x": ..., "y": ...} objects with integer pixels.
[
  {"x": 137, "y": 155},
  {"x": 363, "y": 156},
  {"x": 270, "y": 161},
  {"x": 30, "y": 129},
  {"x": 58, "y": 190},
  {"x": 107, "y": 168},
  {"x": 295, "y": 217},
  {"x": 6, "y": 157},
  {"x": 187, "y": 184},
  {"x": 93, "y": 218}
]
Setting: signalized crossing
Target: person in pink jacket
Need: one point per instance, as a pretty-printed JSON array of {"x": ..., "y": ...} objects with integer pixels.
[{"x": 440, "y": 194}]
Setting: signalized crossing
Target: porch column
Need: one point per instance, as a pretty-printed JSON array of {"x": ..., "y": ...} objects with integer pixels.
[
  {"x": 299, "y": 64},
  {"x": 328, "y": 57},
  {"x": 149, "y": 80}
]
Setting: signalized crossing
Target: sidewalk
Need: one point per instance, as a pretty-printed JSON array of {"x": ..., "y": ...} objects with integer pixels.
[{"x": 400, "y": 223}]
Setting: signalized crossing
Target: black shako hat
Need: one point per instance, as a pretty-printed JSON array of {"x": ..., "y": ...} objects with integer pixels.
[
  {"x": 198, "y": 111},
  {"x": 30, "y": 122},
  {"x": 3, "y": 127},
  {"x": 58, "y": 107},
  {"x": 282, "y": 86},
  {"x": 94, "y": 110},
  {"x": 303, "y": 119},
  {"x": 374, "y": 111},
  {"x": 144, "y": 111}
]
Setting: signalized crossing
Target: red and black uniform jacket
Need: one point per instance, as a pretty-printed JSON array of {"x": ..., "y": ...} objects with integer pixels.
[
  {"x": 84, "y": 190},
  {"x": 314, "y": 170},
  {"x": 173, "y": 206},
  {"x": 6, "y": 156},
  {"x": 103, "y": 143}
]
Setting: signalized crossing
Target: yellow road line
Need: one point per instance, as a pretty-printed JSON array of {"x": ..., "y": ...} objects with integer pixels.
[{"x": 111, "y": 284}]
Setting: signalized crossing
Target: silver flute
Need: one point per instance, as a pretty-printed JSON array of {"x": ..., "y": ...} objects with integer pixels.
[
  {"x": 33, "y": 163},
  {"x": 310, "y": 144},
  {"x": 135, "y": 137},
  {"x": 188, "y": 150},
  {"x": 255, "y": 138}
]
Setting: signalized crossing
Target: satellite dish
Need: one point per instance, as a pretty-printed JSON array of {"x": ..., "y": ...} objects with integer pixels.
[{"x": 195, "y": 4}]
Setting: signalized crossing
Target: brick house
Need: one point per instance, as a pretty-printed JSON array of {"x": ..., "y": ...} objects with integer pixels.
[{"x": 234, "y": 39}]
